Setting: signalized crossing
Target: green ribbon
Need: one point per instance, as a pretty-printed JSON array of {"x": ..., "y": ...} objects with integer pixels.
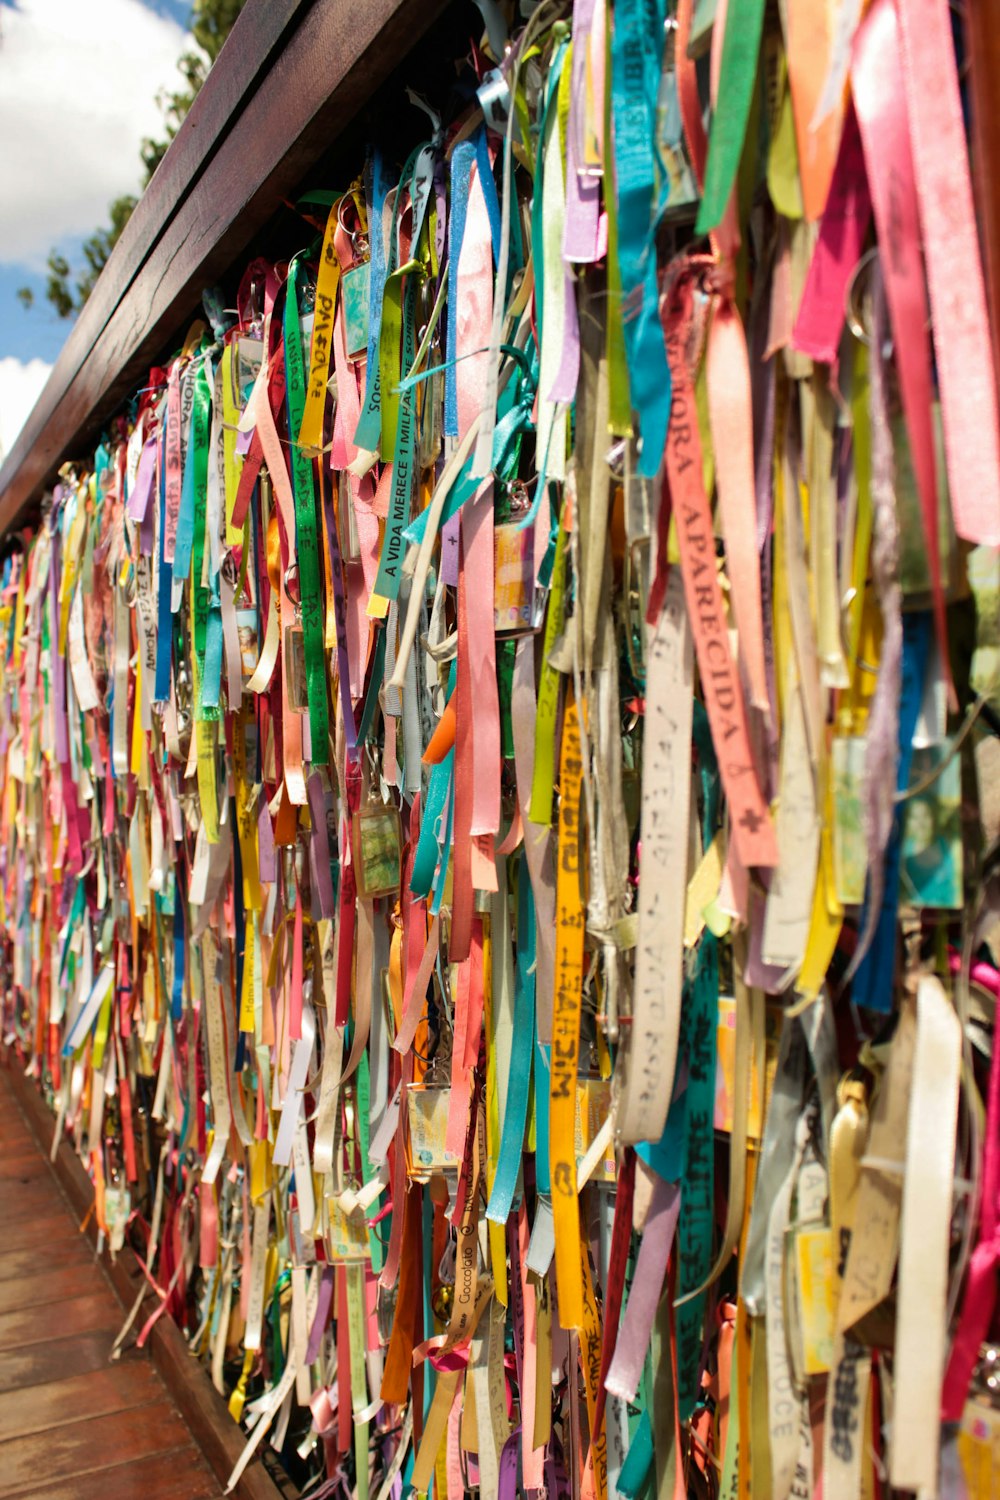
[
  {"x": 399, "y": 416},
  {"x": 391, "y": 363},
  {"x": 738, "y": 75},
  {"x": 306, "y": 544}
]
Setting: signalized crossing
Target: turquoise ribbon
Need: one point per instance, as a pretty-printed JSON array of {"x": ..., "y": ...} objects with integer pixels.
[
  {"x": 513, "y": 421},
  {"x": 442, "y": 872},
  {"x": 522, "y": 1046},
  {"x": 543, "y": 1072},
  {"x": 638, "y": 1460},
  {"x": 699, "y": 1023},
  {"x": 636, "y": 58},
  {"x": 694, "y": 1230},
  {"x": 426, "y": 858},
  {"x": 194, "y": 482}
]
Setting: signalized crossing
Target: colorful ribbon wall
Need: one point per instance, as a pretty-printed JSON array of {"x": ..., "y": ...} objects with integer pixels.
[{"x": 494, "y": 881}]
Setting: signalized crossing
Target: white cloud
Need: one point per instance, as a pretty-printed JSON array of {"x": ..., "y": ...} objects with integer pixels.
[
  {"x": 20, "y": 387},
  {"x": 78, "y": 85}
]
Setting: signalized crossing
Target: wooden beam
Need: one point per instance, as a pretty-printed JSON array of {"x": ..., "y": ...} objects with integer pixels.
[{"x": 291, "y": 76}]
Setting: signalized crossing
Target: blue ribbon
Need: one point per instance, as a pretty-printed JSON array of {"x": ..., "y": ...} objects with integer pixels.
[
  {"x": 489, "y": 187},
  {"x": 873, "y": 983},
  {"x": 164, "y": 619},
  {"x": 369, "y": 423}
]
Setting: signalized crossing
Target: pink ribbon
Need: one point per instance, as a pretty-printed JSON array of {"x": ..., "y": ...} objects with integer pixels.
[
  {"x": 954, "y": 271},
  {"x": 981, "y": 1286}
]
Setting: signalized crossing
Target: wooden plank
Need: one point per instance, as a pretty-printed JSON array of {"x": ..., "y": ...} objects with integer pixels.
[
  {"x": 332, "y": 62},
  {"x": 97, "y": 1311},
  {"x": 16, "y": 1148},
  {"x": 178, "y": 1475},
  {"x": 15, "y": 1264},
  {"x": 86, "y": 1447},
  {"x": 98, "y": 1393},
  {"x": 47, "y": 1283},
  {"x": 36, "y": 1364},
  {"x": 28, "y": 1165},
  {"x": 15, "y": 1145},
  {"x": 55, "y": 1225},
  {"x": 27, "y": 1199}
]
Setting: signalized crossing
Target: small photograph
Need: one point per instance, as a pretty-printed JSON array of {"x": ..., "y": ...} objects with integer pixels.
[
  {"x": 246, "y": 630},
  {"x": 850, "y": 860},
  {"x": 377, "y": 851},
  {"x": 931, "y": 864},
  {"x": 513, "y": 580},
  {"x": 355, "y": 284},
  {"x": 427, "y": 1108}
]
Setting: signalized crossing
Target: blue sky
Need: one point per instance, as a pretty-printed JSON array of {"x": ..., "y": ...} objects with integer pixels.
[{"x": 78, "y": 86}]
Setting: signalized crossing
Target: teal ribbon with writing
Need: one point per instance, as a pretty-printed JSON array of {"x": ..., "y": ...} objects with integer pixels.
[{"x": 636, "y": 61}]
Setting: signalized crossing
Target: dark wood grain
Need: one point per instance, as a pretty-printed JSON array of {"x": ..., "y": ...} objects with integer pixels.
[
  {"x": 287, "y": 99},
  {"x": 15, "y": 1264},
  {"x": 95, "y": 1311},
  {"x": 90, "y": 1446},
  {"x": 52, "y": 1226},
  {"x": 78, "y": 1397},
  {"x": 180, "y": 1475},
  {"x": 24, "y": 1165},
  {"x": 24, "y": 1200},
  {"x": 48, "y": 1283},
  {"x": 36, "y": 1364}
]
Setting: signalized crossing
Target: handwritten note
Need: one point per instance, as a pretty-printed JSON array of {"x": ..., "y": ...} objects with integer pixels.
[{"x": 666, "y": 795}]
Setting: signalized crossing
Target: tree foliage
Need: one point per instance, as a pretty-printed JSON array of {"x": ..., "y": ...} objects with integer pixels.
[{"x": 67, "y": 288}]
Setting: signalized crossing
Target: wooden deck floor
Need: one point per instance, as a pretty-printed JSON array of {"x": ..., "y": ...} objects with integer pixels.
[{"x": 73, "y": 1426}]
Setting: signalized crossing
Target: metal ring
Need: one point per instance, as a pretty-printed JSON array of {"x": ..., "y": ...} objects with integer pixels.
[
  {"x": 853, "y": 319},
  {"x": 291, "y": 583}
]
